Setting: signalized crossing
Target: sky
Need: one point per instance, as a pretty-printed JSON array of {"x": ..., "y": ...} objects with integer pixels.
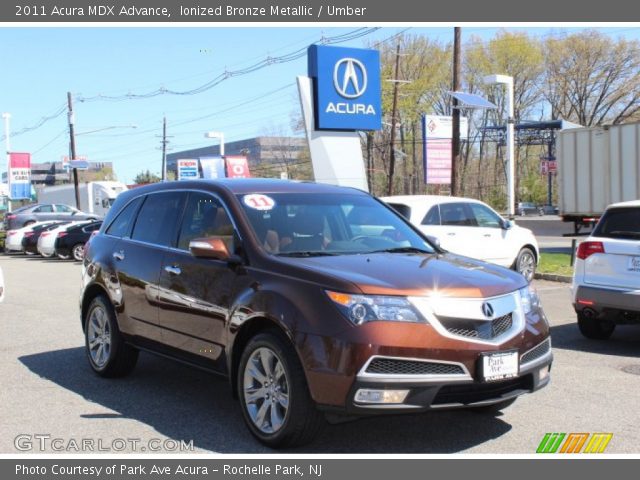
[{"x": 38, "y": 66}]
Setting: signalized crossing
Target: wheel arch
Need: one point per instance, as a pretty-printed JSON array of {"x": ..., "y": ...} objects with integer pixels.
[{"x": 91, "y": 292}]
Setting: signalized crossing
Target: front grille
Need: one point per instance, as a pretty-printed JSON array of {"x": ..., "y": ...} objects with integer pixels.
[
  {"x": 391, "y": 366},
  {"x": 480, "y": 329},
  {"x": 478, "y": 392},
  {"x": 537, "y": 352}
]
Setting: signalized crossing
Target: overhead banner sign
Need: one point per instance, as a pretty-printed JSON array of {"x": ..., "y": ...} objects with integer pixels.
[
  {"x": 437, "y": 131},
  {"x": 346, "y": 83},
  {"x": 19, "y": 176},
  {"x": 237, "y": 167},
  {"x": 212, "y": 167},
  {"x": 188, "y": 169}
]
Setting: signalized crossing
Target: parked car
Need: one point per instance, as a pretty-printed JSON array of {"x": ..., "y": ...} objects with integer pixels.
[
  {"x": 471, "y": 228},
  {"x": 527, "y": 208},
  {"x": 30, "y": 237},
  {"x": 271, "y": 284},
  {"x": 2, "y": 288},
  {"x": 70, "y": 242},
  {"x": 548, "y": 210},
  {"x": 606, "y": 277},
  {"x": 13, "y": 239},
  {"x": 44, "y": 211},
  {"x": 47, "y": 241}
]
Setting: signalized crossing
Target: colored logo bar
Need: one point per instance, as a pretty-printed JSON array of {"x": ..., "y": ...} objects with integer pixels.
[{"x": 574, "y": 442}]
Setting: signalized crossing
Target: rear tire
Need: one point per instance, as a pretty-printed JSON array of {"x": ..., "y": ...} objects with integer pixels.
[
  {"x": 77, "y": 251},
  {"x": 29, "y": 222},
  {"x": 496, "y": 407},
  {"x": 594, "y": 328},
  {"x": 276, "y": 404},
  {"x": 108, "y": 354},
  {"x": 525, "y": 263}
]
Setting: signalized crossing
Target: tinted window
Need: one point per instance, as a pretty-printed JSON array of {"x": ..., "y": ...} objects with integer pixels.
[
  {"x": 121, "y": 226},
  {"x": 404, "y": 210},
  {"x": 484, "y": 216},
  {"x": 619, "y": 223},
  {"x": 204, "y": 216},
  {"x": 456, "y": 214},
  {"x": 432, "y": 217},
  {"x": 44, "y": 209},
  {"x": 64, "y": 208},
  {"x": 91, "y": 228},
  {"x": 157, "y": 218}
]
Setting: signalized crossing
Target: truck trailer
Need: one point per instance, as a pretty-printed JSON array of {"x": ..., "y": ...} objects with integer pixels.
[{"x": 95, "y": 197}]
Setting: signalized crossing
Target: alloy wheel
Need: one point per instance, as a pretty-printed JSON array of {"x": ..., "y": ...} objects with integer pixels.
[{"x": 99, "y": 336}]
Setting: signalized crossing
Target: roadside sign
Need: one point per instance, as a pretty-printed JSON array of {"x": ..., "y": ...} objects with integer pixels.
[
  {"x": 19, "y": 176},
  {"x": 79, "y": 164},
  {"x": 188, "y": 169},
  {"x": 544, "y": 167},
  {"x": 553, "y": 166},
  {"x": 237, "y": 166}
]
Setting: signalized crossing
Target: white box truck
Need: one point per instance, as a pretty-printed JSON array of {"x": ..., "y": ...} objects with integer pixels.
[
  {"x": 95, "y": 197},
  {"x": 597, "y": 167}
]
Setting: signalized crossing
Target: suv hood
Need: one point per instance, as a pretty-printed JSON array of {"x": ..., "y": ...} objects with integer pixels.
[{"x": 415, "y": 274}]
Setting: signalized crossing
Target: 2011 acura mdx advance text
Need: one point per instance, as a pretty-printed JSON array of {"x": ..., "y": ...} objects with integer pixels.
[{"x": 314, "y": 300}]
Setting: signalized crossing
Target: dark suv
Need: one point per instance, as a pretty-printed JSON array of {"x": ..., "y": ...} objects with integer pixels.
[{"x": 307, "y": 312}]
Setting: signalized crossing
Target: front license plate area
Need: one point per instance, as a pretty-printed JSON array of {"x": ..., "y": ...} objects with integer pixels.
[{"x": 499, "y": 365}]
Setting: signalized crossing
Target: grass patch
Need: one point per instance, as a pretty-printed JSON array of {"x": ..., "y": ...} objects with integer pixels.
[{"x": 555, "y": 263}]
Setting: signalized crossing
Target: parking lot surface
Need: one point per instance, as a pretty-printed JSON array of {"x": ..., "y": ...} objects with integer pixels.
[{"x": 49, "y": 389}]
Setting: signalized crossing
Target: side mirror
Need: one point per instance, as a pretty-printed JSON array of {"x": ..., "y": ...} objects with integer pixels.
[
  {"x": 434, "y": 241},
  {"x": 506, "y": 224},
  {"x": 210, "y": 247}
]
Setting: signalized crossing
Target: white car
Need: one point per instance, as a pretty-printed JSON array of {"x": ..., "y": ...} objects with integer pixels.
[
  {"x": 471, "y": 228},
  {"x": 606, "y": 276},
  {"x": 13, "y": 239},
  {"x": 47, "y": 240}
]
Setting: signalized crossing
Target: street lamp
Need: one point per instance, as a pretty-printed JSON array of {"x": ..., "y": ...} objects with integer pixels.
[
  {"x": 511, "y": 192},
  {"x": 6, "y": 117},
  {"x": 219, "y": 136}
]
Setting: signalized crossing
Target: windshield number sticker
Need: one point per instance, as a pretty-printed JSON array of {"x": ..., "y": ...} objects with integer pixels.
[{"x": 259, "y": 202}]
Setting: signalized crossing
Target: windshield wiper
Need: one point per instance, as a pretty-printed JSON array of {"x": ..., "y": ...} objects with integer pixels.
[
  {"x": 313, "y": 253},
  {"x": 402, "y": 250},
  {"x": 625, "y": 233}
]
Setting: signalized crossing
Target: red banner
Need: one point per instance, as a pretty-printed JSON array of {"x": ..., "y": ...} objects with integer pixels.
[{"x": 237, "y": 167}]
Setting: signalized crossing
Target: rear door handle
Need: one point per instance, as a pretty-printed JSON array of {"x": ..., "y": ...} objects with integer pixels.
[
  {"x": 119, "y": 255},
  {"x": 487, "y": 234},
  {"x": 173, "y": 270}
]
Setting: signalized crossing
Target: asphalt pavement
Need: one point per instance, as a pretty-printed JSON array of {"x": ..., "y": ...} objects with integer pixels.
[{"x": 48, "y": 389}]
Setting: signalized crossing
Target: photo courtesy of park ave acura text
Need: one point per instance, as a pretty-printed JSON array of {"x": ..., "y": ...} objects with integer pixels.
[{"x": 326, "y": 230}]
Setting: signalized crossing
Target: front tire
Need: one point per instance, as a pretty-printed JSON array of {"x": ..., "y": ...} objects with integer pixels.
[
  {"x": 108, "y": 354},
  {"x": 594, "y": 328},
  {"x": 274, "y": 396},
  {"x": 525, "y": 263}
]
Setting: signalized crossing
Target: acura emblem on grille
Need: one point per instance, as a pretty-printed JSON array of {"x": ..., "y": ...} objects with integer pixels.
[{"x": 487, "y": 309}]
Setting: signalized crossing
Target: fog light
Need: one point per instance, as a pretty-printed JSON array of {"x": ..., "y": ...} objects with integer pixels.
[
  {"x": 365, "y": 395},
  {"x": 543, "y": 373}
]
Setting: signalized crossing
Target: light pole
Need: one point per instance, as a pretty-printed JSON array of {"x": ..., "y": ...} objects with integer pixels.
[
  {"x": 6, "y": 117},
  {"x": 219, "y": 136},
  {"x": 511, "y": 190}
]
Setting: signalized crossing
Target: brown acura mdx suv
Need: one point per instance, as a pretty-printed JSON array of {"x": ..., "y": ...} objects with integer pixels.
[{"x": 314, "y": 300}]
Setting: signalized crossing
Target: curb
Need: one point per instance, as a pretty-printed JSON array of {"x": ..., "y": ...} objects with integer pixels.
[{"x": 553, "y": 278}]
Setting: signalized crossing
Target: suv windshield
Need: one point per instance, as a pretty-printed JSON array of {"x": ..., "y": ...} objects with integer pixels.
[
  {"x": 619, "y": 223},
  {"x": 297, "y": 224}
]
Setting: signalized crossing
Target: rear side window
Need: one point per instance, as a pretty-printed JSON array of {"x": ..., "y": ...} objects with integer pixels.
[
  {"x": 619, "y": 223},
  {"x": 157, "y": 218},
  {"x": 457, "y": 214},
  {"x": 121, "y": 226},
  {"x": 404, "y": 210},
  {"x": 432, "y": 217}
]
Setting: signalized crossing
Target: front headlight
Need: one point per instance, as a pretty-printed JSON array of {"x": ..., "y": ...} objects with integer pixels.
[
  {"x": 369, "y": 308},
  {"x": 529, "y": 299}
]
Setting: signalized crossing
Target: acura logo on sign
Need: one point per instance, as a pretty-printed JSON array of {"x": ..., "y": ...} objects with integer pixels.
[
  {"x": 487, "y": 309},
  {"x": 350, "y": 81}
]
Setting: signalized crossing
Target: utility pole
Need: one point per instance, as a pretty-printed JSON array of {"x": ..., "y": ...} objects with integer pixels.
[
  {"x": 392, "y": 154},
  {"x": 72, "y": 148},
  {"x": 7, "y": 140},
  {"x": 164, "y": 148},
  {"x": 455, "y": 124}
]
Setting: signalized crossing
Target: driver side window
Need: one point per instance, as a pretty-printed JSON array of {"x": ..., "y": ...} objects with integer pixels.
[{"x": 205, "y": 216}]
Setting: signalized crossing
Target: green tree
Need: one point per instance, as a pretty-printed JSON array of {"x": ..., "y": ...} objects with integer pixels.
[{"x": 146, "y": 177}]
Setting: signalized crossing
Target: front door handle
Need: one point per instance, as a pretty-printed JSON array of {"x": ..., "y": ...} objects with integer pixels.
[
  {"x": 119, "y": 255},
  {"x": 487, "y": 234},
  {"x": 451, "y": 234},
  {"x": 172, "y": 270}
]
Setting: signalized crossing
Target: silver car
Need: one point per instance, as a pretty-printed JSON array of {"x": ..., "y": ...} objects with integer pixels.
[{"x": 44, "y": 211}]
